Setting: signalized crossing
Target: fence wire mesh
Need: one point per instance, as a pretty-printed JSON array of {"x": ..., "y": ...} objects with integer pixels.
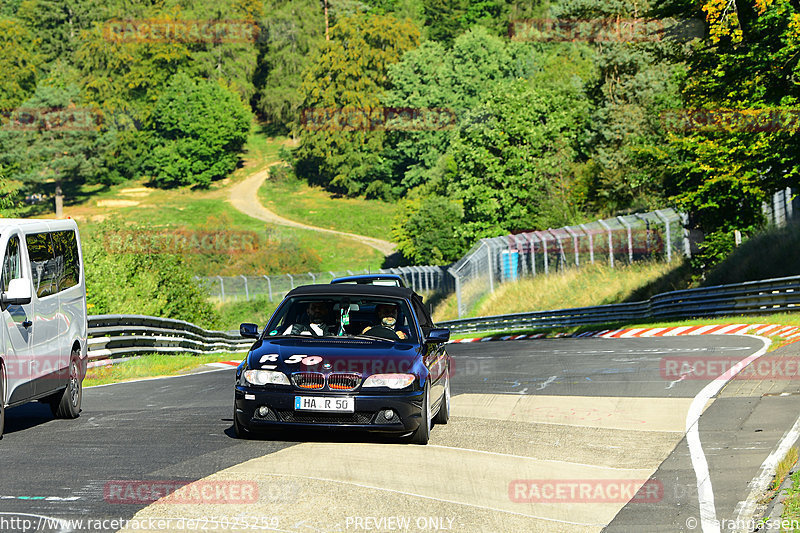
[
  {"x": 222, "y": 289},
  {"x": 658, "y": 235}
]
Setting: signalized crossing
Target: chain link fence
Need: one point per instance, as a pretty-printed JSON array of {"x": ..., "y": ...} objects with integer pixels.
[
  {"x": 658, "y": 235},
  {"x": 222, "y": 289}
]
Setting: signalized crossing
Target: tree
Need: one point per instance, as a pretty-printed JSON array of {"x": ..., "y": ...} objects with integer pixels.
[
  {"x": 724, "y": 162},
  {"x": 453, "y": 80},
  {"x": 425, "y": 230},
  {"x": 514, "y": 160},
  {"x": 347, "y": 78},
  {"x": 52, "y": 139},
  {"x": 292, "y": 33},
  {"x": 199, "y": 129},
  {"x": 19, "y": 63}
]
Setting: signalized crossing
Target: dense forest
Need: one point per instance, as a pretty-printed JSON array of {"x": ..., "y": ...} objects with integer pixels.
[{"x": 480, "y": 117}]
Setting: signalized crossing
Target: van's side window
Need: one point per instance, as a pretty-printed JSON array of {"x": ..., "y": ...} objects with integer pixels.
[
  {"x": 12, "y": 262},
  {"x": 44, "y": 269},
  {"x": 66, "y": 247}
]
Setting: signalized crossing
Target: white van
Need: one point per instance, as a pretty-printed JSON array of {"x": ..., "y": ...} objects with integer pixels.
[{"x": 43, "y": 306}]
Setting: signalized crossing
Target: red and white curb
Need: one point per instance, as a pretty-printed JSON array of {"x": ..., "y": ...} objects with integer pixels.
[
  {"x": 224, "y": 364},
  {"x": 765, "y": 330}
]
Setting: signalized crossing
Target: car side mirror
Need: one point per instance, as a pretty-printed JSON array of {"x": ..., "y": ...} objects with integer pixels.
[
  {"x": 248, "y": 330},
  {"x": 18, "y": 293},
  {"x": 438, "y": 335}
]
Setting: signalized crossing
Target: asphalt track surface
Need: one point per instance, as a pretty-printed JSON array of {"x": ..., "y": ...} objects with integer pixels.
[{"x": 525, "y": 414}]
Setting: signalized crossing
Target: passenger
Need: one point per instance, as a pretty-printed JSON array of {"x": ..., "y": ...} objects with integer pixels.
[
  {"x": 387, "y": 319},
  {"x": 318, "y": 318}
]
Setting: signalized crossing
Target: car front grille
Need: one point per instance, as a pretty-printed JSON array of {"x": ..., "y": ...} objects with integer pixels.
[
  {"x": 309, "y": 380},
  {"x": 357, "y": 418},
  {"x": 343, "y": 381}
]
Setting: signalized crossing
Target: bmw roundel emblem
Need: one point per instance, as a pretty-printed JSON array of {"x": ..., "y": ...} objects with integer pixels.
[{"x": 326, "y": 366}]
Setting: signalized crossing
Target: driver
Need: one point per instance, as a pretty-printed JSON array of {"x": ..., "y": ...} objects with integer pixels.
[
  {"x": 387, "y": 319},
  {"x": 318, "y": 314}
]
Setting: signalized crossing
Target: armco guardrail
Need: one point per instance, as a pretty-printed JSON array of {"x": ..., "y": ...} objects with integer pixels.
[
  {"x": 122, "y": 335},
  {"x": 752, "y": 297}
]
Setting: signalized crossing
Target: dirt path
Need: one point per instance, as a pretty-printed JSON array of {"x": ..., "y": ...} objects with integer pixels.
[{"x": 244, "y": 197}]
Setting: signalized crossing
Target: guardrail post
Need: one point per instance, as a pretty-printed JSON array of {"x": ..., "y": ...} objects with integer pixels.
[
  {"x": 246, "y": 292},
  {"x": 221, "y": 290},
  {"x": 313, "y": 277},
  {"x": 269, "y": 287},
  {"x": 574, "y": 244},
  {"x": 664, "y": 219},
  {"x": 610, "y": 243},
  {"x": 591, "y": 242},
  {"x": 291, "y": 281}
]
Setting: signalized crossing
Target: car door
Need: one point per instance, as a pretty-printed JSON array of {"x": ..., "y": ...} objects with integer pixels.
[
  {"x": 46, "y": 349},
  {"x": 17, "y": 324},
  {"x": 434, "y": 352}
]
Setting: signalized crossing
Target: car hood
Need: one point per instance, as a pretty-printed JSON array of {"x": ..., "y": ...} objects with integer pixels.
[{"x": 363, "y": 356}]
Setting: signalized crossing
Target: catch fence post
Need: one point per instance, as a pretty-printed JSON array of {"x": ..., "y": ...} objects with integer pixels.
[
  {"x": 591, "y": 242},
  {"x": 664, "y": 219},
  {"x": 246, "y": 292},
  {"x": 269, "y": 287},
  {"x": 221, "y": 289},
  {"x": 610, "y": 243}
]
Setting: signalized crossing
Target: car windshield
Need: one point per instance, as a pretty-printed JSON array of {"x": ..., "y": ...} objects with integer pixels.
[{"x": 340, "y": 316}]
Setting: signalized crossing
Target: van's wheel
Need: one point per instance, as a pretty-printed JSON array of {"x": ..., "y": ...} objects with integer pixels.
[
  {"x": 68, "y": 403},
  {"x": 423, "y": 432},
  {"x": 2, "y": 404},
  {"x": 444, "y": 407}
]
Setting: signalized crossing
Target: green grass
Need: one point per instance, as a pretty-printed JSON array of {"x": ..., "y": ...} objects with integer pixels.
[
  {"x": 257, "y": 310},
  {"x": 152, "y": 365},
  {"x": 284, "y": 249},
  {"x": 581, "y": 287},
  {"x": 294, "y": 199}
]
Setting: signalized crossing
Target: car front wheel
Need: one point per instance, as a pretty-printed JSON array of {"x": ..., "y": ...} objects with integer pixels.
[
  {"x": 444, "y": 407},
  {"x": 423, "y": 432}
]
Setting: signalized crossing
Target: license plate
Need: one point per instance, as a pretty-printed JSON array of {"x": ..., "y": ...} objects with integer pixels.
[{"x": 322, "y": 403}]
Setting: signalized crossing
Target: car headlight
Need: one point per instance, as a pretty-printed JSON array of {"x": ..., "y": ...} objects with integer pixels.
[
  {"x": 392, "y": 381},
  {"x": 265, "y": 377}
]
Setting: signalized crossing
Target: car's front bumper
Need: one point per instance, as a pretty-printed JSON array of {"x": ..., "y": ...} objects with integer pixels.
[{"x": 367, "y": 413}]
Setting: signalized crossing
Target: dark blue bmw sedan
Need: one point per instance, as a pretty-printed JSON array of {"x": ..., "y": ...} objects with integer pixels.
[{"x": 345, "y": 356}]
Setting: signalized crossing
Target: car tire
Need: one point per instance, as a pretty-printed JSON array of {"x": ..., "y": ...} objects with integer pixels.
[
  {"x": 67, "y": 404},
  {"x": 423, "y": 432},
  {"x": 444, "y": 407},
  {"x": 2, "y": 404},
  {"x": 239, "y": 430}
]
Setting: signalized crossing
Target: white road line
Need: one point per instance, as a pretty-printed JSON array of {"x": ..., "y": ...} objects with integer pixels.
[
  {"x": 546, "y": 383},
  {"x": 746, "y": 509},
  {"x": 315, "y": 478},
  {"x": 600, "y": 467},
  {"x": 705, "y": 492}
]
